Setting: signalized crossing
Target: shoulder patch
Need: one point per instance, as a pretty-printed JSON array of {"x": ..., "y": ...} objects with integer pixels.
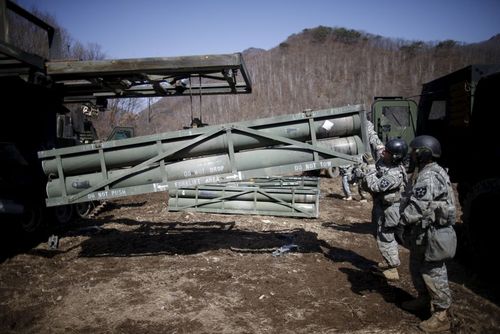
[
  {"x": 420, "y": 192},
  {"x": 384, "y": 183}
]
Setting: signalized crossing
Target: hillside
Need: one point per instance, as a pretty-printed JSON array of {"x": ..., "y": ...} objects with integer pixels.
[{"x": 320, "y": 67}]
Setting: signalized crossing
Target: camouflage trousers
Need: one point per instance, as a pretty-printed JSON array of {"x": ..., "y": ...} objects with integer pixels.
[
  {"x": 348, "y": 179},
  {"x": 386, "y": 242},
  {"x": 345, "y": 186},
  {"x": 388, "y": 245},
  {"x": 429, "y": 278}
]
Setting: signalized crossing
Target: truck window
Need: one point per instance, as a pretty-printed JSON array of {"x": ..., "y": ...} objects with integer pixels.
[
  {"x": 121, "y": 133},
  {"x": 438, "y": 110},
  {"x": 399, "y": 115}
]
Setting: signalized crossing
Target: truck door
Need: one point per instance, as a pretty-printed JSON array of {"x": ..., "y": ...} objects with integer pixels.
[{"x": 394, "y": 117}]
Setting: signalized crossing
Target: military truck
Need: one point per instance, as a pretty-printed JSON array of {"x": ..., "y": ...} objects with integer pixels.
[
  {"x": 35, "y": 118},
  {"x": 38, "y": 108},
  {"x": 461, "y": 110},
  {"x": 29, "y": 110}
]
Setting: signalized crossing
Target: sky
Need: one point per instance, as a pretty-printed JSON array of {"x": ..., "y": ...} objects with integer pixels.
[{"x": 170, "y": 28}]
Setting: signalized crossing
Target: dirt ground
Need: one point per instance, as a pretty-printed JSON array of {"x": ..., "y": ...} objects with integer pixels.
[{"x": 137, "y": 268}]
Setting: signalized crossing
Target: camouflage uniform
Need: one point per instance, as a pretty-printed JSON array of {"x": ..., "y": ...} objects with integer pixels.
[
  {"x": 432, "y": 186},
  {"x": 375, "y": 142},
  {"x": 348, "y": 178},
  {"x": 386, "y": 183},
  {"x": 346, "y": 173}
]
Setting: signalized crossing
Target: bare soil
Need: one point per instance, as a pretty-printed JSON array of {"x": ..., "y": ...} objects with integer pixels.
[{"x": 138, "y": 268}]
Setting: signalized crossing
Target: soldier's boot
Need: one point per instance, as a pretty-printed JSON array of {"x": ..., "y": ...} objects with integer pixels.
[
  {"x": 418, "y": 304},
  {"x": 385, "y": 270},
  {"x": 391, "y": 274},
  {"x": 383, "y": 266},
  {"x": 438, "y": 322}
]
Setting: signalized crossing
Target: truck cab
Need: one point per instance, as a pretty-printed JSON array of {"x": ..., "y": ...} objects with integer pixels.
[
  {"x": 461, "y": 110},
  {"x": 394, "y": 117}
]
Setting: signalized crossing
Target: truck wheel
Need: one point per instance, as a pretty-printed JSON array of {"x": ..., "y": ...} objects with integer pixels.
[
  {"x": 33, "y": 219},
  {"x": 84, "y": 209},
  {"x": 481, "y": 230},
  {"x": 89, "y": 210},
  {"x": 64, "y": 214},
  {"x": 332, "y": 172}
]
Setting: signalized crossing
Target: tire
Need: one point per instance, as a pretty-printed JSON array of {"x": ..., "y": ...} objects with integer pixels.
[
  {"x": 481, "y": 228},
  {"x": 332, "y": 172},
  {"x": 33, "y": 219},
  {"x": 64, "y": 214},
  {"x": 84, "y": 209}
]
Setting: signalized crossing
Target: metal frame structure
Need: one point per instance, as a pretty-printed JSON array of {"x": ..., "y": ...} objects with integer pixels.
[
  {"x": 94, "y": 81},
  {"x": 13, "y": 60},
  {"x": 173, "y": 167},
  {"x": 274, "y": 196},
  {"x": 82, "y": 81}
]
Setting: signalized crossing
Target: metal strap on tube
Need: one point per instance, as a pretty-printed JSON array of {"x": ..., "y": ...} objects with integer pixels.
[
  {"x": 61, "y": 179},
  {"x": 104, "y": 172},
  {"x": 230, "y": 148},
  {"x": 313, "y": 137}
]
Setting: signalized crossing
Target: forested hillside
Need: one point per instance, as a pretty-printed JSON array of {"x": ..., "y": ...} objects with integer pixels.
[{"x": 318, "y": 68}]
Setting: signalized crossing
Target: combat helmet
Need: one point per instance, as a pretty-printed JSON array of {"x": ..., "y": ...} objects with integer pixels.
[
  {"x": 397, "y": 148},
  {"x": 426, "y": 147}
]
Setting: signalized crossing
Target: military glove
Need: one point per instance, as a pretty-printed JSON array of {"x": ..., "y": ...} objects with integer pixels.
[
  {"x": 358, "y": 173},
  {"x": 370, "y": 169},
  {"x": 368, "y": 158},
  {"x": 379, "y": 150}
]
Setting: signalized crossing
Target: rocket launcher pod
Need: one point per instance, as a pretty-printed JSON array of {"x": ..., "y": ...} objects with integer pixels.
[
  {"x": 273, "y": 146},
  {"x": 278, "y": 196}
]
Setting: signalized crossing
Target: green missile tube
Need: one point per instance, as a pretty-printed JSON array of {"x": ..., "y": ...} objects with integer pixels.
[
  {"x": 240, "y": 196},
  {"x": 178, "y": 203},
  {"x": 132, "y": 151},
  {"x": 197, "y": 167}
]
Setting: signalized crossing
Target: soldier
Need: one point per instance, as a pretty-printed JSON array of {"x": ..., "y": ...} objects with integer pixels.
[
  {"x": 386, "y": 181},
  {"x": 375, "y": 143},
  {"x": 350, "y": 177},
  {"x": 430, "y": 212},
  {"x": 353, "y": 174},
  {"x": 346, "y": 174}
]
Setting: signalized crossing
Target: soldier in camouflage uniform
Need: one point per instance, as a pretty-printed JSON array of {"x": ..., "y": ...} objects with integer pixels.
[
  {"x": 347, "y": 176},
  {"x": 430, "y": 207},
  {"x": 375, "y": 143},
  {"x": 386, "y": 181},
  {"x": 352, "y": 174},
  {"x": 347, "y": 172}
]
